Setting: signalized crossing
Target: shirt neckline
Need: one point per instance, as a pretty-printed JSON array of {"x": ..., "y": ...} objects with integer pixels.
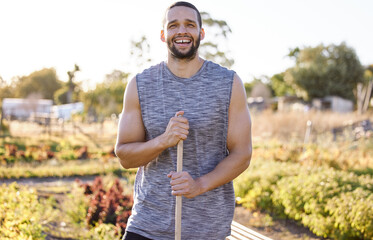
[{"x": 168, "y": 71}]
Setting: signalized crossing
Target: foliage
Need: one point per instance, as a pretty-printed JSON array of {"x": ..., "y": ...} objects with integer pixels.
[
  {"x": 66, "y": 169},
  {"x": 20, "y": 213},
  {"x": 43, "y": 83},
  {"x": 107, "y": 97},
  {"x": 248, "y": 87},
  {"x": 71, "y": 85},
  {"x": 104, "y": 232},
  {"x": 108, "y": 206},
  {"x": 214, "y": 46},
  {"x": 4, "y": 128},
  {"x": 258, "y": 88},
  {"x": 61, "y": 95},
  {"x": 324, "y": 71},
  {"x": 6, "y": 90},
  {"x": 331, "y": 203},
  {"x": 280, "y": 86},
  {"x": 140, "y": 53},
  {"x": 340, "y": 156},
  {"x": 11, "y": 153}
]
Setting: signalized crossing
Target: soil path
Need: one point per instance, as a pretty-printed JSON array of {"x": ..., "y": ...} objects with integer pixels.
[{"x": 47, "y": 181}]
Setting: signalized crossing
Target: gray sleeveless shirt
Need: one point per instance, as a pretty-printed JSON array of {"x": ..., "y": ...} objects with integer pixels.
[{"x": 205, "y": 98}]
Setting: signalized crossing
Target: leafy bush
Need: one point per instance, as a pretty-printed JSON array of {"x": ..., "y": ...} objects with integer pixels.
[
  {"x": 331, "y": 203},
  {"x": 109, "y": 207},
  {"x": 18, "y": 151},
  {"x": 316, "y": 201},
  {"x": 255, "y": 186},
  {"x": 20, "y": 213}
]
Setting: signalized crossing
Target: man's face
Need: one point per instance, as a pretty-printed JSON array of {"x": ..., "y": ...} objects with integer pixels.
[{"x": 182, "y": 32}]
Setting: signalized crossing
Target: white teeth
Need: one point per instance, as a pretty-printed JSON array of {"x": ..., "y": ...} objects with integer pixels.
[{"x": 182, "y": 41}]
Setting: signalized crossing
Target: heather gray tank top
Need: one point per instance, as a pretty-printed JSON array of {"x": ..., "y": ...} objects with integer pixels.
[{"x": 205, "y": 98}]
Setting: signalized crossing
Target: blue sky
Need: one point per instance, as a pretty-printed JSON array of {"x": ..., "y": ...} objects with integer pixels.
[{"x": 96, "y": 34}]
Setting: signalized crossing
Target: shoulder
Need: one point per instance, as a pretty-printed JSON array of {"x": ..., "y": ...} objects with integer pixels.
[
  {"x": 217, "y": 67},
  {"x": 218, "y": 70},
  {"x": 238, "y": 96},
  {"x": 150, "y": 71}
]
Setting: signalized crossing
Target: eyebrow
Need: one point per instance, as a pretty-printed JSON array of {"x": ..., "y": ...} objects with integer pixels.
[{"x": 188, "y": 20}]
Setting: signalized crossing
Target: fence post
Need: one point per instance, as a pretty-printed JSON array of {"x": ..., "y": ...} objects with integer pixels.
[
  {"x": 308, "y": 132},
  {"x": 2, "y": 133}
]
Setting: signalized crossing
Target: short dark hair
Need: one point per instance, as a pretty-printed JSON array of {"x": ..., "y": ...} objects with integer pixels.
[{"x": 184, "y": 4}]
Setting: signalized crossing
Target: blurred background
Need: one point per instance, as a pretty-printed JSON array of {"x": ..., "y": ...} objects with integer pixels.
[{"x": 307, "y": 68}]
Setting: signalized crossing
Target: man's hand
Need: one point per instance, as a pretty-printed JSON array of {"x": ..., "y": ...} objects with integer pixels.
[
  {"x": 177, "y": 129},
  {"x": 182, "y": 184}
]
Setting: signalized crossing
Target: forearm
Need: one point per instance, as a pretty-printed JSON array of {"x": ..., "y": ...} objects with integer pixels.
[
  {"x": 227, "y": 170},
  {"x": 136, "y": 154}
]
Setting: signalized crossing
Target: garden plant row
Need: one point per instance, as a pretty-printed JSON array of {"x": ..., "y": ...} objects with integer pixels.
[
  {"x": 331, "y": 203},
  {"x": 91, "y": 210}
]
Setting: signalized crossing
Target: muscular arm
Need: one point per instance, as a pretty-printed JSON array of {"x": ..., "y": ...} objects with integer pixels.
[
  {"x": 239, "y": 146},
  {"x": 132, "y": 148}
]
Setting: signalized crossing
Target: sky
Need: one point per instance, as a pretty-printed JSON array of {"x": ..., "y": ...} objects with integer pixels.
[{"x": 97, "y": 34}]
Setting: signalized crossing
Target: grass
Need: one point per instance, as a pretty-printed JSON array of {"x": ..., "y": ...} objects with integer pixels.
[
  {"x": 291, "y": 126},
  {"x": 65, "y": 169}
]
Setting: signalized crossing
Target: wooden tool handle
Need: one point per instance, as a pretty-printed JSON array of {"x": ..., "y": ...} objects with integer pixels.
[{"x": 179, "y": 168}]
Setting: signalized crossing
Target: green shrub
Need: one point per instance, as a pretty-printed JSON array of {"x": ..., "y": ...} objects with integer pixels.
[
  {"x": 331, "y": 203},
  {"x": 20, "y": 213},
  {"x": 256, "y": 185}
]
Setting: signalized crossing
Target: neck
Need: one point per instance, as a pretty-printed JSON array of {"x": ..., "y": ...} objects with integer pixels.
[{"x": 184, "y": 68}]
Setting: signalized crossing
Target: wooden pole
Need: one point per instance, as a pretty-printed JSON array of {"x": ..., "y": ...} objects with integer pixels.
[
  {"x": 179, "y": 168},
  {"x": 367, "y": 96}
]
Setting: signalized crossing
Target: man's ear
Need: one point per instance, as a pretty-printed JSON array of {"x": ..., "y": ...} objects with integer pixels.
[
  {"x": 202, "y": 33},
  {"x": 163, "y": 39}
]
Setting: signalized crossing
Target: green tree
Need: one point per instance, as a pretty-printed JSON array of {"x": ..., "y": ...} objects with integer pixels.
[
  {"x": 325, "y": 70},
  {"x": 43, "y": 83},
  {"x": 70, "y": 91},
  {"x": 279, "y": 86},
  {"x": 107, "y": 97},
  {"x": 215, "y": 46},
  {"x": 6, "y": 90},
  {"x": 248, "y": 87},
  {"x": 140, "y": 53},
  {"x": 70, "y": 84}
]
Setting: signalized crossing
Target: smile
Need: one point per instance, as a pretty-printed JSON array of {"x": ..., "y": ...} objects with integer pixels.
[{"x": 183, "y": 41}]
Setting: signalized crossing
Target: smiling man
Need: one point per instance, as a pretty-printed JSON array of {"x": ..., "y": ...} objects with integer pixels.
[{"x": 195, "y": 100}]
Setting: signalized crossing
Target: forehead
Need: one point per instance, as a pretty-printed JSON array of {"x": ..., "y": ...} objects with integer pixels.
[{"x": 181, "y": 13}]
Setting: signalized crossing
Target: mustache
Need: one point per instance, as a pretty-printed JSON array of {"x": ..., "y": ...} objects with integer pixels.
[{"x": 183, "y": 36}]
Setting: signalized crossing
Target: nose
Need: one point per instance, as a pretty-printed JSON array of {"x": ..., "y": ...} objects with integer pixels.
[{"x": 182, "y": 29}]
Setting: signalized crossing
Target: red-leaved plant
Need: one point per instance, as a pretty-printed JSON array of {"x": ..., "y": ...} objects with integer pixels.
[{"x": 110, "y": 206}]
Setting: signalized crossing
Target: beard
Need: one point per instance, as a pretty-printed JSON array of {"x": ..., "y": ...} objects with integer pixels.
[{"x": 189, "y": 55}]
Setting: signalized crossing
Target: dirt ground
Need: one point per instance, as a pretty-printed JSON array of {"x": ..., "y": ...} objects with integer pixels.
[{"x": 275, "y": 229}]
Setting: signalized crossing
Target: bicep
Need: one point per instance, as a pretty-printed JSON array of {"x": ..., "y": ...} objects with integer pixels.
[
  {"x": 131, "y": 127},
  {"x": 239, "y": 122}
]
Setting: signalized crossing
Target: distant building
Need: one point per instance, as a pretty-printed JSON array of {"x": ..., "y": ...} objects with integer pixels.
[
  {"x": 23, "y": 109},
  {"x": 66, "y": 110},
  {"x": 333, "y": 103},
  {"x": 256, "y": 103},
  {"x": 291, "y": 104}
]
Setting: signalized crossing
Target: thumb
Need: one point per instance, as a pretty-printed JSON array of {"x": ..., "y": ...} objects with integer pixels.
[
  {"x": 179, "y": 114},
  {"x": 170, "y": 174}
]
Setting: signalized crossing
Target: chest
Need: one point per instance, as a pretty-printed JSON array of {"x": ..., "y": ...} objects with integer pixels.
[{"x": 205, "y": 105}]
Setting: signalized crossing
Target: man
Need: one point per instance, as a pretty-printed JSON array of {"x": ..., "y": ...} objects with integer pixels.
[{"x": 191, "y": 99}]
